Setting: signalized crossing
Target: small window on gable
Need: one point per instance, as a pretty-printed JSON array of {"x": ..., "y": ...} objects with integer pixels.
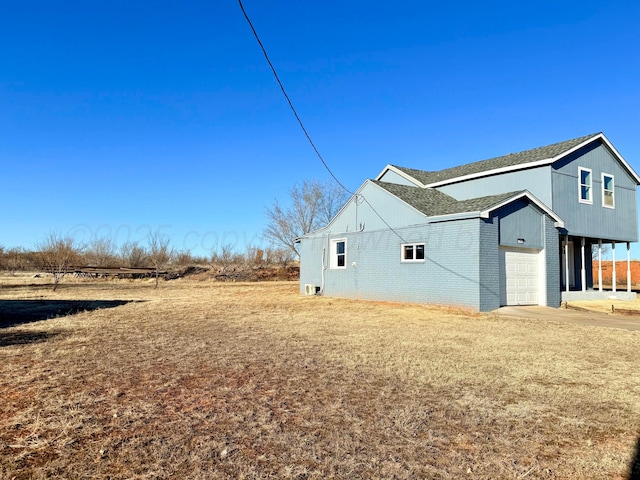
[
  {"x": 608, "y": 198},
  {"x": 412, "y": 252},
  {"x": 586, "y": 181},
  {"x": 338, "y": 253}
]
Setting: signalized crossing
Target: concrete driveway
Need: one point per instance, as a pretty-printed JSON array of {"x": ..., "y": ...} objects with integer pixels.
[{"x": 572, "y": 316}]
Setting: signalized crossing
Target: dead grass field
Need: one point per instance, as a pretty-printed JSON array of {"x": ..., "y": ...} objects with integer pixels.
[{"x": 226, "y": 380}]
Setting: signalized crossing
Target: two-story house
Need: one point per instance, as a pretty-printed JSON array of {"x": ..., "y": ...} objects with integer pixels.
[{"x": 513, "y": 230}]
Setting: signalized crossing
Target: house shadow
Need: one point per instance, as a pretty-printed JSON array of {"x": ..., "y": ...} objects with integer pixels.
[
  {"x": 18, "y": 312},
  {"x": 25, "y": 337},
  {"x": 634, "y": 469}
]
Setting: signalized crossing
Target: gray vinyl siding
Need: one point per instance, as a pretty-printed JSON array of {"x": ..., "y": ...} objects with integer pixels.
[
  {"x": 552, "y": 258},
  {"x": 450, "y": 274},
  {"x": 311, "y": 251},
  {"x": 393, "y": 177},
  {"x": 358, "y": 214},
  {"x": 594, "y": 220},
  {"x": 535, "y": 180},
  {"x": 521, "y": 220}
]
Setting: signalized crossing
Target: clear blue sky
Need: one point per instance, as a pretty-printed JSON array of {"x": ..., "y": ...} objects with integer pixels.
[{"x": 121, "y": 117}]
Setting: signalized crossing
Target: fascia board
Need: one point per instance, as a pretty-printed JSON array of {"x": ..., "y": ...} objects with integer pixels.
[
  {"x": 609, "y": 145},
  {"x": 615, "y": 152},
  {"x": 495, "y": 171},
  {"x": 404, "y": 175},
  {"x": 453, "y": 216},
  {"x": 540, "y": 163},
  {"x": 532, "y": 198}
]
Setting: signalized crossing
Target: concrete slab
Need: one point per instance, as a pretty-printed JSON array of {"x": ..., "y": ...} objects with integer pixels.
[{"x": 572, "y": 316}]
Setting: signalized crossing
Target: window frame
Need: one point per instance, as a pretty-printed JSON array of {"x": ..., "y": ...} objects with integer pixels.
[
  {"x": 588, "y": 201},
  {"x": 612, "y": 190},
  {"x": 334, "y": 263},
  {"x": 403, "y": 250}
]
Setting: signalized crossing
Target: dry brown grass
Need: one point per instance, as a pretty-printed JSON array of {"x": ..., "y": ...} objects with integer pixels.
[
  {"x": 605, "y": 306},
  {"x": 211, "y": 380}
]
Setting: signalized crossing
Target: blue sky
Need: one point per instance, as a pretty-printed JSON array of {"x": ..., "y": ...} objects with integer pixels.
[{"x": 118, "y": 118}]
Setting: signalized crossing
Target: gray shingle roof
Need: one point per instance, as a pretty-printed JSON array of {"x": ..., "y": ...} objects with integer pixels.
[
  {"x": 433, "y": 203},
  {"x": 528, "y": 156}
]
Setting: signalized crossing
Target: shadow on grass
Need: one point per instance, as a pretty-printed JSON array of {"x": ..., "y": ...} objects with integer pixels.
[
  {"x": 17, "y": 312},
  {"x": 634, "y": 471},
  {"x": 22, "y": 337}
]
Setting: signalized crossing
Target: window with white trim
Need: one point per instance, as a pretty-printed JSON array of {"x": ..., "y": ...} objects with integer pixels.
[
  {"x": 412, "y": 252},
  {"x": 338, "y": 253},
  {"x": 586, "y": 181},
  {"x": 608, "y": 198}
]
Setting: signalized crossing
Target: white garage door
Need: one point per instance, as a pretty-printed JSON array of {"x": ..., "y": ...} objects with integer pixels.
[{"x": 518, "y": 276}]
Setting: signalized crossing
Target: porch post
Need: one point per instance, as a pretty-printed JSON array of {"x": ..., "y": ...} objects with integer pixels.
[
  {"x": 566, "y": 263},
  {"x": 628, "y": 267},
  {"x": 600, "y": 265},
  {"x": 614, "y": 280},
  {"x": 583, "y": 271}
]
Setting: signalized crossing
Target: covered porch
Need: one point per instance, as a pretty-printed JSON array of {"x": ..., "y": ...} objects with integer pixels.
[{"x": 579, "y": 256}]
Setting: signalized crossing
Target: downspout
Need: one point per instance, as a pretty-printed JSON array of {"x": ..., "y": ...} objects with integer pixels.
[{"x": 324, "y": 267}]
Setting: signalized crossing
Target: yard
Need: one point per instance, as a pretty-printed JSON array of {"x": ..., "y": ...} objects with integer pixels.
[{"x": 201, "y": 379}]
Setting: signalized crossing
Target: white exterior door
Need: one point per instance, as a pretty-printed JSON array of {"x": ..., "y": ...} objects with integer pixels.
[{"x": 519, "y": 281}]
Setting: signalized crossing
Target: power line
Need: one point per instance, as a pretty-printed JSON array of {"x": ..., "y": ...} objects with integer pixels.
[
  {"x": 381, "y": 218},
  {"x": 295, "y": 113},
  {"x": 284, "y": 92}
]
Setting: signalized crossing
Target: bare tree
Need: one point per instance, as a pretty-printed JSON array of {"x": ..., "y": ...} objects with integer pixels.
[
  {"x": 160, "y": 252},
  {"x": 101, "y": 252},
  {"x": 254, "y": 255},
  {"x": 57, "y": 255},
  {"x": 15, "y": 259},
  {"x": 312, "y": 205},
  {"x": 183, "y": 258},
  {"x": 279, "y": 256},
  {"x": 226, "y": 257},
  {"x": 133, "y": 255},
  {"x": 594, "y": 251}
]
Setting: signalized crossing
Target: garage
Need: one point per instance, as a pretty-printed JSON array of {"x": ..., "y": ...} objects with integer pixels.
[{"x": 519, "y": 276}]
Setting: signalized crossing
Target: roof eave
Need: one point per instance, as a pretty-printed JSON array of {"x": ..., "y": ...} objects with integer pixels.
[
  {"x": 495, "y": 171},
  {"x": 452, "y": 216},
  {"x": 541, "y": 163},
  {"x": 610, "y": 146},
  {"x": 558, "y": 222}
]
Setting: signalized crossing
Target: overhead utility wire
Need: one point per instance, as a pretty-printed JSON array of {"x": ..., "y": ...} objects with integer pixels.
[
  {"x": 275, "y": 74},
  {"x": 284, "y": 92}
]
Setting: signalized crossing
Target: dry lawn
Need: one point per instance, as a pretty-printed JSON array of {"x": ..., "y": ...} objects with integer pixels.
[
  {"x": 608, "y": 306},
  {"x": 213, "y": 380}
]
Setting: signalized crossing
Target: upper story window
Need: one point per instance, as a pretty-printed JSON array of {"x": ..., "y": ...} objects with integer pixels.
[
  {"x": 608, "y": 198},
  {"x": 412, "y": 252},
  {"x": 586, "y": 181},
  {"x": 338, "y": 257}
]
